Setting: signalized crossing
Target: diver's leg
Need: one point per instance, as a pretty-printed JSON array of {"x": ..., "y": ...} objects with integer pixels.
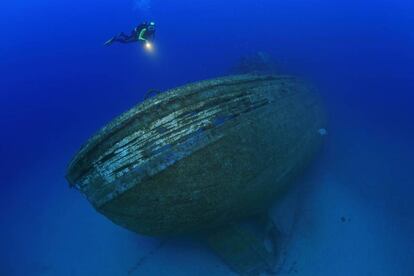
[
  {"x": 121, "y": 38},
  {"x": 123, "y": 35}
]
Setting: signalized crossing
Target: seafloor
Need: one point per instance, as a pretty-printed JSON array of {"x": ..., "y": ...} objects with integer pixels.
[{"x": 339, "y": 220}]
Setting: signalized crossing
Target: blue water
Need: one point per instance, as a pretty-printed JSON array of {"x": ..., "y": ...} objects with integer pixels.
[{"x": 58, "y": 85}]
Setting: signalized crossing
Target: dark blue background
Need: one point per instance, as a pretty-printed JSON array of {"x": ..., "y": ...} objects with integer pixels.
[{"x": 58, "y": 84}]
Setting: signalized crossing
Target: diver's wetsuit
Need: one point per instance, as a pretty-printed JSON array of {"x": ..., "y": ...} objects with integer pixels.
[{"x": 143, "y": 32}]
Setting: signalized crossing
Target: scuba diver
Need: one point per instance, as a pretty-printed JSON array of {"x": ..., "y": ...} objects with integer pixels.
[{"x": 143, "y": 33}]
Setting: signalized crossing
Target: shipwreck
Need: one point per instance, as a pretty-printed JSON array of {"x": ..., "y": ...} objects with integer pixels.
[{"x": 203, "y": 157}]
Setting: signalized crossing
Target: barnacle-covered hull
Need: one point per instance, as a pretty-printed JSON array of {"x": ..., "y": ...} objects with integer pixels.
[{"x": 202, "y": 155}]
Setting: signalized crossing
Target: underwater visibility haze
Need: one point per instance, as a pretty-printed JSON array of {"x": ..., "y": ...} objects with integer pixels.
[{"x": 302, "y": 110}]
